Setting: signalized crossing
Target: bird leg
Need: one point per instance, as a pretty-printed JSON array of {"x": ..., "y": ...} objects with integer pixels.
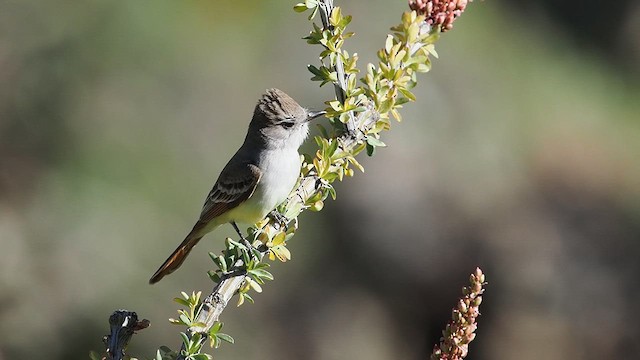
[{"x": 245, "y": 242}]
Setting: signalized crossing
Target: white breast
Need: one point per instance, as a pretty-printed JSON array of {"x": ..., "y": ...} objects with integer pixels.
[{"x": 280, "y": 169}]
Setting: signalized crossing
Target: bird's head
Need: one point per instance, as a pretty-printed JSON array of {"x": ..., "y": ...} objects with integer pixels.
[{"x": 281, "y": 120}]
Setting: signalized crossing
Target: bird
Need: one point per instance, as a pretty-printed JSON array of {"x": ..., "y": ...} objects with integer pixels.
[{"x": 259, "y": 176}]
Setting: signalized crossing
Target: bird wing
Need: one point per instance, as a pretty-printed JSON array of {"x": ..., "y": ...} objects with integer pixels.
[{"x": 234, "y": 186}]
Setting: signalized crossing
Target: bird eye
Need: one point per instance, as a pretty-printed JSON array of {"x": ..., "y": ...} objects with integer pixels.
[{"x": 287, "y": 124}]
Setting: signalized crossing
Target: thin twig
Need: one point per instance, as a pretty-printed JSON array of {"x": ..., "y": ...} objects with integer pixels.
[{"x": 326, "y": 8}]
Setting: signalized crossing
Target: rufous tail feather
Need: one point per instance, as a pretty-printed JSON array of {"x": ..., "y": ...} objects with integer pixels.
[{"x": 177, "y": 257}]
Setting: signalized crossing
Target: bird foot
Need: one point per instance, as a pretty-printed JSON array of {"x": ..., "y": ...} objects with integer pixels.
[{"x": 280, "y": 219}]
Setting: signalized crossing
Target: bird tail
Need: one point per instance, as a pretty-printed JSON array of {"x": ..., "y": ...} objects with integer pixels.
[{"x": 178, "y": 256}]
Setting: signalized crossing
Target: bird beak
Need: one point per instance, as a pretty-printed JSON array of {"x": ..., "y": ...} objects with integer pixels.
[{"x": 314, "y": 114}]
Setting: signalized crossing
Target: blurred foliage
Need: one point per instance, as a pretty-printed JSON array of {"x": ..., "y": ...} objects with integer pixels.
[{"x": 116, "y": 116}]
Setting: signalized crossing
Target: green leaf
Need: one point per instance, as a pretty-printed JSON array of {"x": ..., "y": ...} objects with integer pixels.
[
  {"x": 185, "y": 339},
  {"x": 314, "y": 70},
  {"x": 254, "y": 285},
  {"x": 396, "y": 114},
  {"x": 356, "y": 164},
  {"x": 358, "y": 148},
  {"x": 181, "y": 301},
  {"x": 226, "y": 337},
  {"x": 217, "y": 326},
  {"x": 185, "y": 319},
  {"x": 248, "y": 297},
  {"x": 370, "y": 149},
  {"x": 214, "y": 277},
  {"x": 332, "y": 192},
  {"x": 375, "y": 142},
  {"x": 408, "y": 94},
  {"x": 385, "y": 106},
  {"x": 201, "y": 357},
  {"x": 262, "y": 274},
  {"x": 332, "y": 148},
  {"x": 388, "y": 44},
  {"x": 300, "y": 7},
  {"x": 331, "y": 176},
  {"x": 279, "y": 238}
]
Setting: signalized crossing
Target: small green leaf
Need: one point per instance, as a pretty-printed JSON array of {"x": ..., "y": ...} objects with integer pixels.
[
  {"x": 185, "y": 339},
  {"x": 248, "y": 297},
  {"x": 396, "y": 114},
  {"x": 423, "y": 68},
  {"x": 255, "y": 286},
  {"x": 262, "y": 274},
  {"x": 375, "y": 142},
  {"x": 356, "y": 164},
  {"x": 370, "y": 149},
  {"x": 388, "y": 44},
  {"x": 331, "y": 177},
  {"x": 201, "y": 357},
  {"x": 226, "y": 337},
  {"x": 214, "y": 277},
  {"x": 314, "y": 70},
  {"x": 332, "y": 192},
  {"x": 332, "y": 148},
  {"x": 181, "y": 301},
  {"x": 217, "y": 326},
  {"x": 279, "y": 238},
  {"x": 408, "y": 94},
  {"x": 185, "y": 319},
  {"x": 300, "y": 7}
]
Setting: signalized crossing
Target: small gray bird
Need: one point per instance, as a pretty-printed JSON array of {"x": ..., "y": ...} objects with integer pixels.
[{"x": 258, "y": 177}]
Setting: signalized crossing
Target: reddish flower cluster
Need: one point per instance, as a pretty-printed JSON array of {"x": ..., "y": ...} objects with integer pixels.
[
  {"x": 454, "y": 344},
  {"x": 439, "y": 12}
]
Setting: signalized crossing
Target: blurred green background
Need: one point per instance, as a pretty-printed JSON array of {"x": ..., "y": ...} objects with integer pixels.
[{"x": 522, "y": 156}]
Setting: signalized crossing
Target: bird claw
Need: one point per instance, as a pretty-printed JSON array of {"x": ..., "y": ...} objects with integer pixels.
[
  {"x": 251, "y": 250},
  {"x": 280, "y": 219}
]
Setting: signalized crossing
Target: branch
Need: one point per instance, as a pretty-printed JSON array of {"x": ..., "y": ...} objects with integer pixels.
[
  {"x": 340, "y": 86},
  {"x": 123, "y": 325}
]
